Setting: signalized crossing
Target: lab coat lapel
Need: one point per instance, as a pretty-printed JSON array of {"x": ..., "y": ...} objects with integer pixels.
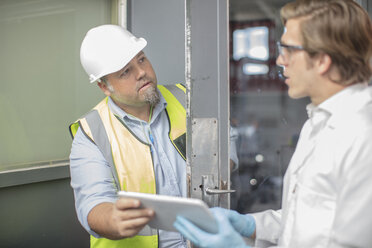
[{"x": 304, "y": 148}]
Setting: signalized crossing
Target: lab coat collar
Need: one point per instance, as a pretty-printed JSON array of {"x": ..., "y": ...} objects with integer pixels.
[
  {"x": 342, "y": 104},
  {"x": 336, "y": 110},
  {"x": 347, "y": 103}
]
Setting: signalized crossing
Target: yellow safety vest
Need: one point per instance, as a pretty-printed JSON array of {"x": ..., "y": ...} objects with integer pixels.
[{"x": 122, "y": 149}]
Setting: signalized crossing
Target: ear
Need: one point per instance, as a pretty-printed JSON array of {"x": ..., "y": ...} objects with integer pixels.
[
  {"x": 104, "y": 88},
  {"x": 324, "y": 63}
]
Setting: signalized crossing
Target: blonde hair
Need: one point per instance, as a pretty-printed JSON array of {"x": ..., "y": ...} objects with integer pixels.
[{"x": 340, "y": 28}]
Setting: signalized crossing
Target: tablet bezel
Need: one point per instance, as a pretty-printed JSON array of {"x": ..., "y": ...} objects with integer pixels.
[{"x": 167, "y": 208}]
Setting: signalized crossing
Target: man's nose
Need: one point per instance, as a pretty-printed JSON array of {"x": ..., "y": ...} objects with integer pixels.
[
  {"x": 279, "y": 60},
  {"x": 140, "y": 72}
]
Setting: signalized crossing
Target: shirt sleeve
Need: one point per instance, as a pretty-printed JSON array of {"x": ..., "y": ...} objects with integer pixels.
[
  {"x": 267, "y": 227},
  {"x": 91, "y": 178},
  {"x": 352, "y": 224}
]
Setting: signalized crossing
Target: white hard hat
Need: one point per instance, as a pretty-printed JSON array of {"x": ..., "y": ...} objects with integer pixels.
[{"x": 107, "y": 49}]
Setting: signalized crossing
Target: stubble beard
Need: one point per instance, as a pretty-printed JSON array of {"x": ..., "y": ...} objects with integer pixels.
[{"x": 151, "y": 96}]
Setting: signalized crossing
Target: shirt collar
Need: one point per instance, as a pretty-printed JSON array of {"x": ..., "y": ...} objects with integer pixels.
[{"x": 116, "y": 110}]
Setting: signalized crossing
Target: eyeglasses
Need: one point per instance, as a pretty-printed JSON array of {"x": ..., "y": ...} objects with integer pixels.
[{"x": 286, "y": 50}]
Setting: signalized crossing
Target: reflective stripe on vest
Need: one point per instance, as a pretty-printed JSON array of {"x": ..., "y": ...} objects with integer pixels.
[{"x": 115, "y": 141}]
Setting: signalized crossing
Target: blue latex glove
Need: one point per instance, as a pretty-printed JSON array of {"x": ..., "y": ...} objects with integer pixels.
[
  {"x": 242, "y": 223},
  {"x": 226, "y": 236}
]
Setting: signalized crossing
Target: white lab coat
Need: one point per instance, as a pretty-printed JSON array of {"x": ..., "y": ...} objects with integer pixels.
[{"x": 327, "y": 192}]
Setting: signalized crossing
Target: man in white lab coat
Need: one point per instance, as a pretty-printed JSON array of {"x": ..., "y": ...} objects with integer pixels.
[{"x": 326, "y": 53}]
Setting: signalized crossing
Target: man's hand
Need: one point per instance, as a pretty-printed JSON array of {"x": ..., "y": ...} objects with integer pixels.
[{"x": 118, "y": 220}]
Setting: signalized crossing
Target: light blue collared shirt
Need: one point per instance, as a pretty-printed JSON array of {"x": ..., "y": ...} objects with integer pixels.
[{"x": 91, "y": 177}]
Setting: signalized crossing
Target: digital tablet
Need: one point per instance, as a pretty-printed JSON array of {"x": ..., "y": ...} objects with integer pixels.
[{"x": 167, "y": 208}]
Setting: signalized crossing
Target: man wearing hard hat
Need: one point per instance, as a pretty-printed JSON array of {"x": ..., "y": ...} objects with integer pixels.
[{"x": 133, "y": 140}]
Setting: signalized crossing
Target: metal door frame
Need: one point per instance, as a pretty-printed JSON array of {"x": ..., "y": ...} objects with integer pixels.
[{"x": 207, "y": 83}]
